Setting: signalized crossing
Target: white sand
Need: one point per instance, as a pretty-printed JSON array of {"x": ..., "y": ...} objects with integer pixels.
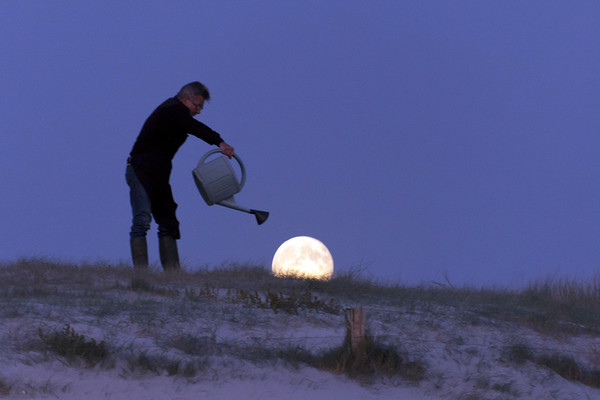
[{"x": 463, "y": 359}]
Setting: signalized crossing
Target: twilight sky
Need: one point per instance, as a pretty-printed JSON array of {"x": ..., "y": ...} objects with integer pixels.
[{"x": 415, "y": 139}]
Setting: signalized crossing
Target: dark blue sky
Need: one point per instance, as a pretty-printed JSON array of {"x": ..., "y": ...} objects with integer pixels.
[{"x": 415, "y": 139}]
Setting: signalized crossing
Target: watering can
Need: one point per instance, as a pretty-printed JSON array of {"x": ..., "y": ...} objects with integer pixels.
[{"x": 217, "y": 182}]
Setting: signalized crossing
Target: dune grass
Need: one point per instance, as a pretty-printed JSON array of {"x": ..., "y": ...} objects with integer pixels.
[
  {"x": 549, "y": 304},
  {"x": 553, "y": 305},
  {"x": 246, "y": 296}
]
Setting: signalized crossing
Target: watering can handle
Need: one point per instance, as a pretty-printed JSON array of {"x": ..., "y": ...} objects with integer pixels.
[{"x": 238, "y": 159}]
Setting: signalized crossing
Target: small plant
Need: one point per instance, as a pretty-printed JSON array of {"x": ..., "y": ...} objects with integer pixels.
[
  {"x": 155, "y": 364},
  {"x": 290, "y": 304},
  {"x": 280, "y": 302},
  {"x": 194, "y": 345},
  {"x": 563, "y": 365},
  {"x": 208, "y": 292},
  {"x": 505, "y": 387},
  {"x": 142, "y": 285},
  {"x": 4, "y": 388},
  {"x": 371, "y": 360},
  {"x": 159, "y": 365},
  {"x": 305, "y": 301},
  {"x": 248, "y": 298},
  {"x": 71, "y": 345},
  {"x": 519, "y": 353}
]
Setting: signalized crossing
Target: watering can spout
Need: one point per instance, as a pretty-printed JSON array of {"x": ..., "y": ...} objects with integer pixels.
[{"x": 261, "y": 216}]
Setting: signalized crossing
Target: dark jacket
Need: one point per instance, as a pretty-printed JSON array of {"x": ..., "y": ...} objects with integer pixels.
[{"x": 162, "y": 134}]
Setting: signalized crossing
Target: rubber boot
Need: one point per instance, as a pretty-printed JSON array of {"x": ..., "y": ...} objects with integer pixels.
[
  {"x": 169, "y": 256},
  {"x": 139, "y": 252}
]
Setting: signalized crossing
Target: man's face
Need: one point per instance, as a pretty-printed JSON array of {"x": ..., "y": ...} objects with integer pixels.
[{"x": 195, "y": 104}]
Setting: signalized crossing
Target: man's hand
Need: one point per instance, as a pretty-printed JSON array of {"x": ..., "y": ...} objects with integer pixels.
[{"x": 226, "y": 149}]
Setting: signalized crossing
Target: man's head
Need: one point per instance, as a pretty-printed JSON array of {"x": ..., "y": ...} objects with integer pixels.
[{"x": 193, "y": 95}]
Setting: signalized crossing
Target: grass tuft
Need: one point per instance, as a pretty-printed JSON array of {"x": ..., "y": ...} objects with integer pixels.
[
  {"x": 71, "y": 345},
  {"x": 373, "y": 359},
  {"x": 563, "y": 365},
  {"x": 142, "y": 285},
  {"x": 288, "y": 303},
  {"x": 156, "y": 364},
  {"x": 519, "y": 353},
  {"x": 5, "y": 388}
]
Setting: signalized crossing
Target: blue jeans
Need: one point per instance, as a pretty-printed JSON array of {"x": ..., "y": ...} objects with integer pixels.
[{"x": 141, "y": 207}]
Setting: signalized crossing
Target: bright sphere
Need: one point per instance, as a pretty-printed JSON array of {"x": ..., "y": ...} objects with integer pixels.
[{"x": 303, "y": 257}]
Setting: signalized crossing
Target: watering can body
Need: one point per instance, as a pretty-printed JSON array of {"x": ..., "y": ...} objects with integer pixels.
[
  {"x": 216, "y": 180},
  {"x": 218, "y": 183}
]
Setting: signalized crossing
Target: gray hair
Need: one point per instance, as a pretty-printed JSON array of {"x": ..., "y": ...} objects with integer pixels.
[{"x": 194, "y": 89}]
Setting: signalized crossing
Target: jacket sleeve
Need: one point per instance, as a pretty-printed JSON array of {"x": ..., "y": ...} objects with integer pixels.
[{"x": 200, "y": 130}]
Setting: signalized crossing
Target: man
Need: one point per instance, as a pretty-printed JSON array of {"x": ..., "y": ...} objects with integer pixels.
[{"x": 149, "y": 168}]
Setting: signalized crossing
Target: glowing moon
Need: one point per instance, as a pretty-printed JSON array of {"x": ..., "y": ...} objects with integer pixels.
[{"x": 303, "y": 257}]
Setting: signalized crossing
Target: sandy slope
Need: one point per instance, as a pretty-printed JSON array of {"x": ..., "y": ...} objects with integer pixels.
[
  {"x": 260, "y": 383},
  {"x": 464, "y": 354}
]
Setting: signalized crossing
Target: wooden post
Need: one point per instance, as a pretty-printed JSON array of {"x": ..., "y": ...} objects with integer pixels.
[{"x": 357, "y": 330}]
